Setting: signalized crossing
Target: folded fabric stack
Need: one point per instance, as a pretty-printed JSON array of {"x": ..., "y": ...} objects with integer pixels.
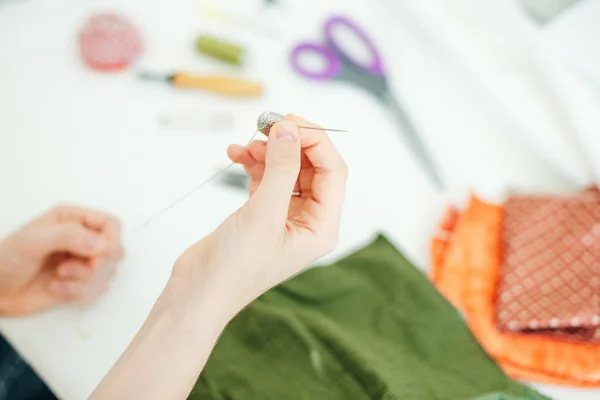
[
  {"x": 550, "y": 280},
  {"x": 370, "y": 326},
  {"x": 527, "y": 276}
]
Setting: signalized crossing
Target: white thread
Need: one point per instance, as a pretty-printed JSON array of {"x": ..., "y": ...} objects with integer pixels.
[{"x": 190, "y": 192}]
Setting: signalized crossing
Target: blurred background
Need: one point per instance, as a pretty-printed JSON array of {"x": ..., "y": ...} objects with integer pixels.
[{"x": 127, "y": 105}]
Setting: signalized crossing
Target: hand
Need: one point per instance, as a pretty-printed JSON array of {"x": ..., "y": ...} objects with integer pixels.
[
  {"x": 277, "y": 232},
  {"x": 271, "y": 237},
  {"x": 67, "y": 255}
]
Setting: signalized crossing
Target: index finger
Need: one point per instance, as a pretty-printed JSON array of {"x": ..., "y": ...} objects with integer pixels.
[{"x": 329, "y": 182}]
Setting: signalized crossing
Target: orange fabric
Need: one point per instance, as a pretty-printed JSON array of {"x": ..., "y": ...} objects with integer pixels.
[{"x": 466, "y": 266}]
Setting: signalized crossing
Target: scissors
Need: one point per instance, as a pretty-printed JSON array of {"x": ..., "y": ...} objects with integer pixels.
[{"x": 340, "y": 65}]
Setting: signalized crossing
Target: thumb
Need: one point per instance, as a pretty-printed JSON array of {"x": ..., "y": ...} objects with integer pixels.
[
  {"x": 282, "y": 166},
  {"x": 72, "y": 237}
]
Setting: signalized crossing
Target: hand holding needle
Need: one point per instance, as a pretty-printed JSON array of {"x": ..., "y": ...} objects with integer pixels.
[{"x": 264, "y": 123}]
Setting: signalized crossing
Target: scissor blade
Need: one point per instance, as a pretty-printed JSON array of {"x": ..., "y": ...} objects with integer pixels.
[{"x": 409, "y": 132}]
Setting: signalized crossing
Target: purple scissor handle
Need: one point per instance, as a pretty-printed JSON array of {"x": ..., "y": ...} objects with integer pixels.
[
  {"x": 370, "y": 76},
  {"x": 333, "y": 54}
]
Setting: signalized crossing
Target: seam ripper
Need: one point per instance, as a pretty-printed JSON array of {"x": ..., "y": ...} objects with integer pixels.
[{"x": 225, "y": 85}]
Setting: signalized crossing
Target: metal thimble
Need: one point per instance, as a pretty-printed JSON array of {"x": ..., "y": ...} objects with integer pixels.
[{"x": 266, "y": 120}]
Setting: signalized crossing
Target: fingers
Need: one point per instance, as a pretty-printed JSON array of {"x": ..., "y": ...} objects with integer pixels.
[
  {"x": 240, "y": 155},
  {"x": 72, "y": 238},
  {"x": 93, "y": 219},
  {"x": 101, "y": 229},
  {"x": 317, "y": 146},
  {"x": 77, "y": 251},
  {"x": 248, "y": 156},
  {"x": 282, "y": 166},
  {"x": 253, "y": 160},
  {"x": 258, "y": 150},
  {"x": 68, "y": 290},
  {"x": 112, "y": 231},
  {"x": 329, "y": 181},
  {"x": 92, "y": 242},
  {"x": 78, "y": 281},
  {"x": 75, "y": 269},
  {"x": 99, "y": 282}
]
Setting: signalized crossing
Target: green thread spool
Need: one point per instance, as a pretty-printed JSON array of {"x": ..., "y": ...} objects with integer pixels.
[{"x": 219, "y": 49}]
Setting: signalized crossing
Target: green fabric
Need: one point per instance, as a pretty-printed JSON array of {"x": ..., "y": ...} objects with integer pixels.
[{"x": 370, "y": 326}]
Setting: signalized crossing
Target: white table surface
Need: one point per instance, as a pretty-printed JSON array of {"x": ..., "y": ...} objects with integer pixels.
[{"x": 68, "y": 134}]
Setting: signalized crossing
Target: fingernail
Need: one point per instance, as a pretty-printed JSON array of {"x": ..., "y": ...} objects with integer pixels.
[
  {"x": 97, "y": 242},
  {"x": 287, "y": 131}
]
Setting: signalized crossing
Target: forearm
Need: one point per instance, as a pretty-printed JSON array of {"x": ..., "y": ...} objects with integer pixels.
[{"x": 165, "y": 358}]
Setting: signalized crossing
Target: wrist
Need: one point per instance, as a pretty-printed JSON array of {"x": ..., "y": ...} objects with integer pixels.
[
  {"x": 180, "y": 331},
  {"x": 198, "y": 278},
  {"x": 196, "y": 304}
]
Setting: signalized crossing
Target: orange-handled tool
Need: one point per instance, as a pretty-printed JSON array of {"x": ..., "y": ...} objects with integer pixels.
[{"x": 225, "y": 85}]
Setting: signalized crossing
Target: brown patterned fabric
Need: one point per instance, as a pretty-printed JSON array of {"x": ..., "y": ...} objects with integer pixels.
[{"x": 550, "y": 281}]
